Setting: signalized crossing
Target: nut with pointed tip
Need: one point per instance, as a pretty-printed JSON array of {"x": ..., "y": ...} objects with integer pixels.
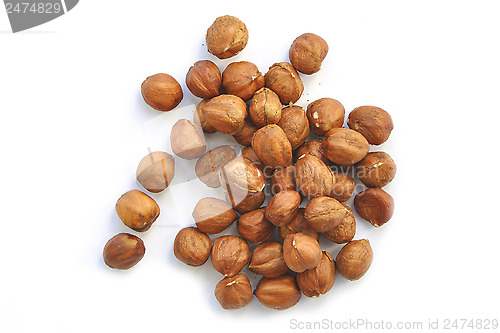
[
  {"x": 265, "y": 107},
  {"x": 283, "y": 207},
  {"x": 230, "y": 254},
  {"x": 284, "y": 80},
  {"x": 226, "y": 113},
  {"x": 155, "y": 171},
  {"x": 280, "y": 293},
  {"x": 272, "y": 146},
  {"x": 324, "y": 213},
  {"x": 301, "y": 252},
  {"x": 313, "y": 177},
  {"x": 123, "y": 251},
  {"x": 377, "y": 169},
  {"x": 204, "y": 79},
  {"x": 298, "y": 224},
  {"x": 267, "y": 260},
  {"x": 374, "y": 123},
  {"x": 344, "y": 146},
  {"x": 354, "y": 259},
  {"x": 242, "y": 79},
  {"x": 161, "y": 92},
  {"x": 187, "y": 139},
  {"x": 208, "y": 166},
  {"x": 137, "y": 210},
  {"x": 342, "y": 188},
  {"x": 307, "y": 52},
  {"x": 318, "y": 281},
  {"x": 234, "y": 292},
  {"x": 213, "y": 215},
  {"x": 192, "y": 247},
  {"x": 283, "y": 179},
  {"x": 374, "y": 205},
  {"x": 254, "y": 227},
  {"x": 226, "y": 37},
  {"x": 295, "y": 125},
  {"x": 345, "y": 231},
  {"x": 325, "y": 114}
]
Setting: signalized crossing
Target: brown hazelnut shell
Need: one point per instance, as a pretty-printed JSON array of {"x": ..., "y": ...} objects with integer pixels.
[
  {"x": 354, "y": 259},
  {"x": 295, "y": 125},
  {"x": 280, "y": 293},
  {"x": 204, "y": 79},
  {"x": 283, "y": 207},
  {"x": 226, "y": 113},
  {"x": 324, "y": 213},
  {"x": 241, "y": 175},
  {"x": 313, "y": 147},
  {"x": 156, "y": 171},
  {"x": 187, "y": 139},
  {"x": 284, "y": 80},
  {"x": 307, "y": 52},
  {"x": 242, "y": 79},
  {"x": 313, "y": 177},
  {"x": 245, "y": 134},
  {"x": 192, "y": 247},
  {"x": 244, "y": 201},
  {"x": 123, "y": 251},
  {"x": 301, "y": 252},
  {"x": 234, "y": 292},
  {"x": 208, "y": 166},
  {"x": 250, "y": 154},
  {"x": 265, "y": 107},
  {"x": 162, "y": 92},
  {"x": 213, "y": 215},
  {"x": 298, "y": 224},
  {"x": 230, "y": 254},
  {"x": 325, "y": 114},
  {"x": 283, "y": 179},
  {"x": 137, "y": 210},
  {"x": 254, "y": 227},
  {"x": 377, "y": 169},
  {"x": 343, "y": 187},
  {"x": 318, "y": 281},
  {"x": 345, "y": 146},
  {"x": 226, "y": 37},
  {"x": 374, "y": 205},
  {"x": 345, "y": 231},
  {"x": 199, "y": 118},
  {"x": 267, "y": 260},
  {"x": 374, "y": 123},
  {"x": 272, "y": 146}
]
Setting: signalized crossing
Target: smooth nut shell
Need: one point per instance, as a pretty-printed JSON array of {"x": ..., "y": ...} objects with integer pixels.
[
  {"x": 226, "y": 113},
  {"x": 307, "y": 52},
  {"x": 213, "y": 215},
  {"x": 199, "y": 118},
  {"x": 314, "y": 148},
  {"x": 298, "y": 224},
  {"x": 208, "y": 166},
  {"x": 156, "y": 171},
  {"x": 345, "y": 231},
  {"x": 204, "y": 79},
  {"x": 123, "y": 251},
  {"x": 318, "y": 281},
  {"x": 283, "y": 179},
  {"x": 325, "y": 114},
  {"x": 342, "y": 188},
  {"x": 374, "y": 123},
  {"x": 283, "y": 207},
  {"x": 254, "y": 227},
  {"x": 374, "y": 205},
  {"x": 230, "y": 254},
  {"x": 187, "y": 139},
  {"x": 284, "y": 80},
  {"x": 265, "y": 107},
  {"x": 267, "y": 260},
  {"x": 242, "y": 79},
  {"x": 377, "y": 169},
  {"x": 137, "y": 210},
  {"x": 295, "y": 125},
  {"x": 324, "y": 213},
  {"x": 301, "y": 252},
  {"x": 162, "y": 92},
  {"x": 354, "y": 259},
  {"x": 234, "y": 292},
  {"x": 313, "y": 177},
  {"x": 272, "y": 146},
  {"x": 345, "y": 146},
  {"x": 279, "y": 293},
  {"x": 226, "y": 37},
  {"x": 192, "y": 247}
]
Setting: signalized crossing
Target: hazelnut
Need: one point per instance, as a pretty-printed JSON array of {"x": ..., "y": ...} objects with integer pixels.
[
  {"x": 283, "y": 207},
  {"x": 161, "y": 92},
  {"x": 307, "y": 53},
  {"x": 301, "y": 252},
  {"x": 187, "y": 139},
  {"x": 377, "y": 169},
  {"x": 272, "y": 146},
  {"x": 354, "y": 259},
  {"x": 156, "y": 171},
  {"x": 295, "y": 125},
  {"x": 313, "y": 147},
  {"x": 234, "y": 292},
  {"x": 213, "y": 215},
  {"x": 325, "y": 114},
  {"x": 254, "y": 227},
  {"x": 374, "y": 123},
  {"x": 199, "y": 118},
  {"x": 192, "y": 247},
  {"x": 226, "y": 113},
  {"x": 324, "y": 213},
  {"x": 230, "y": 254},
  {"x": 345, "y": 231},
  {"x": 298, "y": 224},
  {"x": 226, "y": 37},
  {"x": 267, "y": 260},
  {"x": 318, "y": 281},
  {"x": 284, "y": 80},
  {"x": 208, "y": 166},
  {"x": 342, "y": 187},
  {"x": 244, "y": 201},
  {"x": 265, "y": 107},
  {"x": 279, "y": 293},
  {"x": 374, "y": 205},
  {"x": 283, "y": 179},
  {"x": 241, "y": 175},
  {"x": 245, "y": 134},
  {"x": 137, "y": 210},
  {"x": 123, "y": 251},
  {"x": 204, "y": 79},
  {"x": 249, "y": 154},
  {"x": 345, "y": 146},
  {"x": 313, "y": 177},
  {"x": 242, "y": 79}
]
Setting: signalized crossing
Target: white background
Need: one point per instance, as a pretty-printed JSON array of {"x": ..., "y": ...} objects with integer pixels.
[{"x": 74, "y": 127}]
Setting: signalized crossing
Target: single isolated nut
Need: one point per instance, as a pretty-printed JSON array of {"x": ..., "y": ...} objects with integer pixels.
[
  {"x": 137, "y": 210},
  {"x": 283, "y": 179},
  {"x": 345, "y": 146},
  {"x": 318, "y": 281},
  {"x": 226, "y": 113},
  {"x": 208, "y": 166},
  {"x": 192, "y": 247},
  {"x": 272, "y": 146},
  {"x": 283, "y": 207},
  {"x": 301, "y": 252},
  {"x": 234, "y": 292},
  {"x": 156, "y": 171},
  {"x": 377, "y": 169},
  {"x": 242, "y": 79},
  {"x": 374, "y": 205},
  {"x": 295, "y": 125},
  {"x": 230, "y": 254},
  {"x": 354, "y": 259},
  {"x": 267, "y": 260},
  {"x": 226, "y": 37},
  {"x": 161, "y": 92},
  {"x": 123, "y": 251},
  {"x": 298, "y": 224},
  {"x": 213, "y": 215},
  {"x": 374, "y": 123},
  {"x": 279, "y": 293},
  {"x": 325, "y": 114},
  {"x": 313, "y": 147},
  {"x": 245, "y": 134},
  {"x": 187, "y": 139},
  {"x": 254, "y": 227},
  {"x": 284, "y": 80},
  {"x": 199, "y": 118},
  {"x": 324, "y": 213},
  {"x": 345, "y": 231},
  {"x": 265, "y": 107},
  {"x": 204, "y": 79},
  {"x": 313, "y": 177},
  {"x": 342, "y": 188},
  {"x": 307, "y": 53}
]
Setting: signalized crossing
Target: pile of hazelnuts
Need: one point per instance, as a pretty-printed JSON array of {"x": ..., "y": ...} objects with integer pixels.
[{"x": 277, "y": 162}]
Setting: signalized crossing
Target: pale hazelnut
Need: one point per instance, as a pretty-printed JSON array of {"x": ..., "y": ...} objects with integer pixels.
[
  {"x": 265, "y": 107},
  {"x": 345, "y": 146},
  {"x": 308, "y": 52},
  {"x": 318, "y": 281},
  {"x": 123, "y": 251},
  {"x": 295, "y": 125},
  {"x": 242, "y": 79},
  {"x": 213, "y": 215},
  {"x": 283, "y": 179},
  {"x": 325, "y": 114},
  {"x": 324, "y": 213},
  {"x": 192, "y": 247},
  {"x": 298, "y": 224},
  {"x": 301, "y": 252},
  {"x": 283, "y": 207},
  {"x": 342, "y": 188},
  {"x": 272, "y": 146},
  {"x": 234, "y": 292},
  {"x": 162, "y": 92},
  {"x": 374, "y": 205},
  {"x": 377, "y": 169},
  {"x": 345, "y": 231},
  {"x": 374, "y": 123},
  {"x": 241, "y": 175},
  {"x": 244, "y": 201},
  {"x": 354, "y": 259},
  {"x": 230, "y": 254},
  {"x": 137, "y": 210},
  {"x": 267, "y": 260},
  {"x": 279, "y": 293},
  {"x": 254, "y": 227},
  {"x": 156, "y": 171},
  {"x": 250, "y": 154},
  {"x": 208, "y": 166},
  {"x": 204, "y": 79},
  {"x": 226, "y": 113},
  {"x": 313, "y": 177},
  {"x": 226, "y": 37},
  {"x": 284, "y": 80},
  {"x": 187, "y": 139}
]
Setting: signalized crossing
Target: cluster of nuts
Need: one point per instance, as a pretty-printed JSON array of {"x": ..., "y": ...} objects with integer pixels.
[{"x": 306, "y": 197}]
